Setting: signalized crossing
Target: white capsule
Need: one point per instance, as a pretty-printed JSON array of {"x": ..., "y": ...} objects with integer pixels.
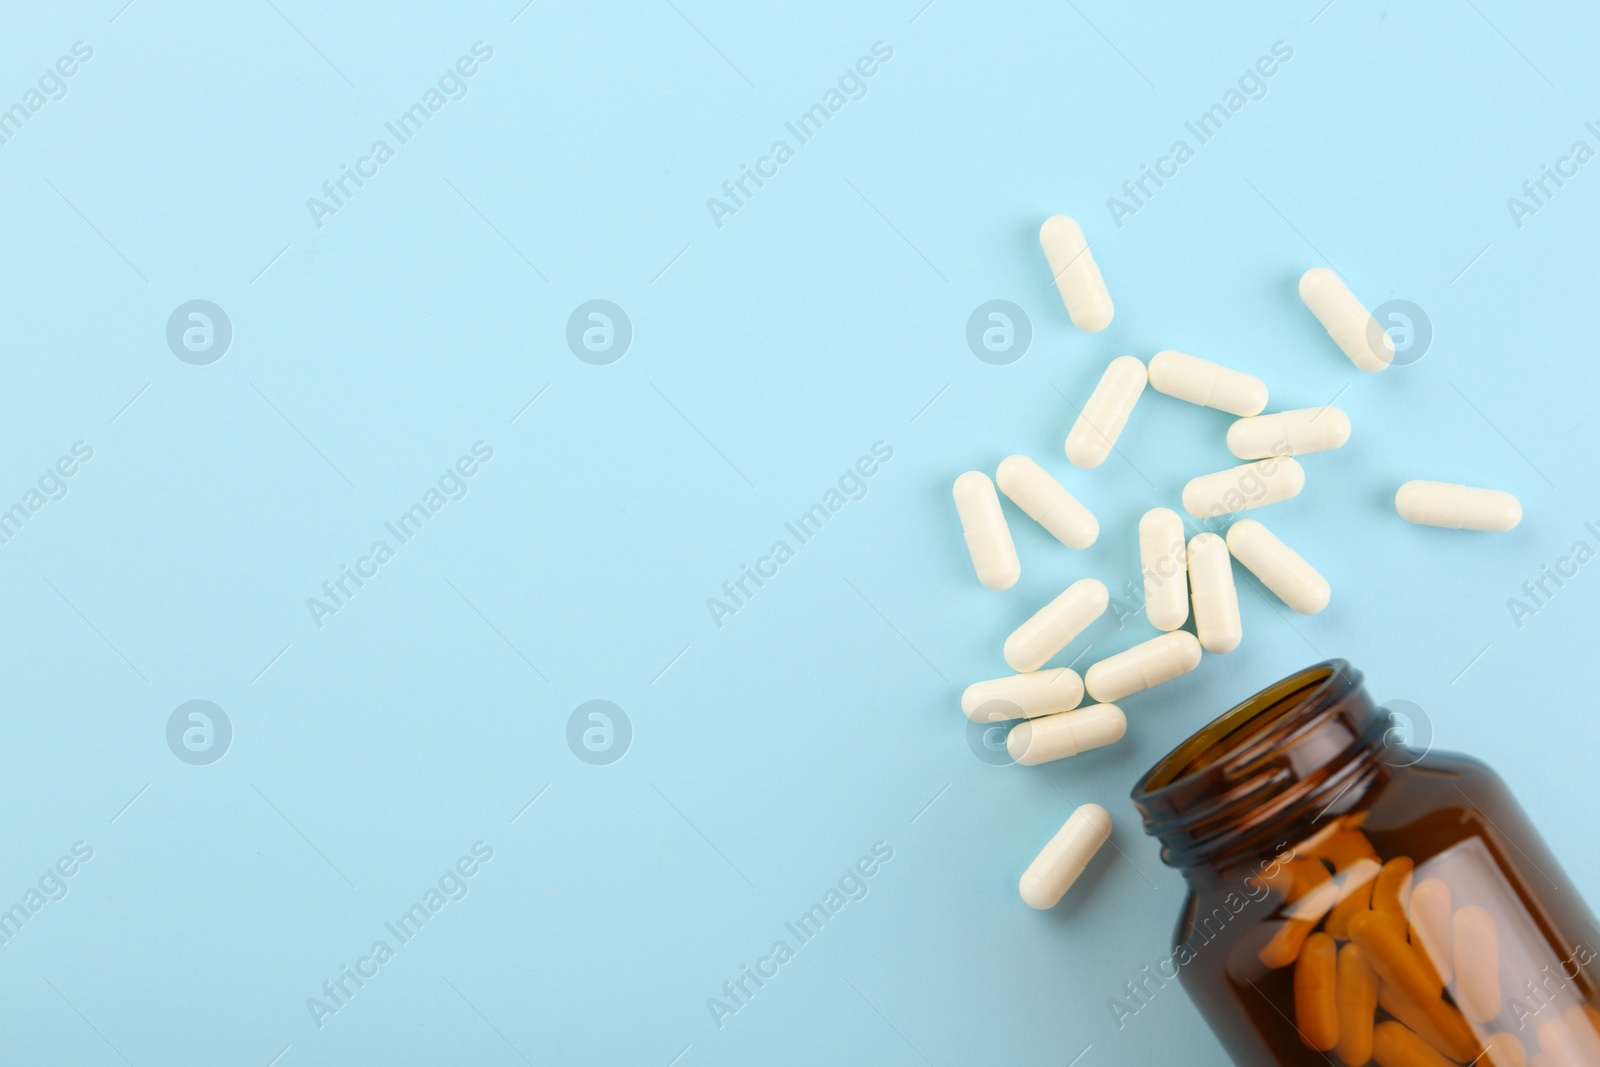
[
  {"x": 1053, "y": 871},
  {"x": 1076, "y": 274},
  {"x": 1047, "y": 502},
  {"x": 1216, "y": 601},
  {"x": 1023, "y": 696},
  {"x": 1457, "y": 507},
  {"x": 1279, "y": 567},
  {"x": 1289, "y": 433},
  {"x": 1164, "y": 563},
  {"x": 994, "y": 556},
  {"x": 1240, "y": 488},
  {"x": 1143, "y": 666},
  {"x": 1211, "y": 385},
  {"x": 1067, "y": 734},
  {"x": 1100, "y": 422},
  {"x": 1351, "y": 325},
  {"x": 1054, "y": 626}
]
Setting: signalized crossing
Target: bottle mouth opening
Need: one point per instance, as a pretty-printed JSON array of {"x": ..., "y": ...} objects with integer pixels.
[
  {"x": 1296, "y": 745},
  {"x": 1232, "y": 733}
]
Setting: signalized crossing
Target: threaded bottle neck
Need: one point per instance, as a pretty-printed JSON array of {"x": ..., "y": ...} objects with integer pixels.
[{"x": 1267, "y": 772}]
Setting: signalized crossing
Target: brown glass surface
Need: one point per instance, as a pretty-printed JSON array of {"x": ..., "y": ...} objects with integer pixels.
[{"x": 1307, "y": 766}]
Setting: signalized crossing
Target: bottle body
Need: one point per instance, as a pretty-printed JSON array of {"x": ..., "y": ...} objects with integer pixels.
[{"x": 1353, "y": 901}]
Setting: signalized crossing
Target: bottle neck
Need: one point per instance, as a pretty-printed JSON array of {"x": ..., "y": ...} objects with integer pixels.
[{"x": 1267, "y": 773}]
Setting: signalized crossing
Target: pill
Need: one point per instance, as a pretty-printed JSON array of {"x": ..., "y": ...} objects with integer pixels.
[
  {"x": 1279, "y": 567},
  {"x": 1395, "y": 1046},
  {"x": 1316, "y": 985},
  {"x": 1358, "y": 1002},
  {"x": 1457, "y": 507},
  {"x": 1349, "y": 324},
  {"x": 1216, "y": 601},
  {"x": 1312, "y": 846},
  {"x": 1477, "y": 963},
  {"x": 1047, "y": 502},
  {"x": 1289, "y": 433},
  {"x": 1250, "y": 485},
  {"x": 1361, "y": 874},
  {"x": 1054, "y": 626},
  {"x": 994, "y": 556},
  {"x": 1164, "y": 563},
  {"x": 1502, "y": 1049},
  {"x": 1439, "y": 1024},
  {"x": 1056, "y": 737},
  {"x": 1076, "y": 274},
  {"x": 1143, "y": 666},
  {"x": 1023, "y": 696},
  {"x": 1304, "y": 876},
  {"x": 1341, "y": 848},
  {"x": 1430, "y": 926},
  {"x": 1292, "y": 879},
  {"x": 1208, "y": 384},
  {"x": 1283, "y": 948},
  {"x": 1100, "y": 422},
  {"x": 1053, "y": 871},
  {"x": 1355, "y": 896},
  {"x": 1557, "y": 1041},
  {"x": 1580, "y": 1022},
  {"x": 1395, "y": 961},
  {"x": 1391, "y": 893}
]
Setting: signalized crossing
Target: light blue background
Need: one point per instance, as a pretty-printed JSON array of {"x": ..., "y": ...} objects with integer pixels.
[{"x": 768, "y": 354}]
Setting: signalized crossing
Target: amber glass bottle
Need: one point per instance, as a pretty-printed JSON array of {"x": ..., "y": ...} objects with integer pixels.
[{"x": 1353, "y": 900}]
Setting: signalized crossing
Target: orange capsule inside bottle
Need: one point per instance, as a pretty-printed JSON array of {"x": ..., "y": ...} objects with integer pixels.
[{"x": 1357, "y": 901}]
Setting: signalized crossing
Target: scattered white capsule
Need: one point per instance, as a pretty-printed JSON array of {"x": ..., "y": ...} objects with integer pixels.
[
  {"x": 1240, "y": 488},
  {"x": 1163, "y": 561},
  {"x": 1067, "y": 734},
  {"x": 1076, "y": 274},
  {"x": 1144, "y": 666},
  {"x": 1289, "y": 433},
  {"x": 1023, "y": 696},
  {"x": 994, "y": 556},
  {"x": 1054, "y": 626},
  {"x": 1347, "y": 321},
  {"x": 1279, "y": 567},
  {"x": 1047, "y": 502},
  {"x": 1457, "y": 507},
  {"x": 1053, "y": 871},
  {"x": 1101, "y": 421},
  {"x": 1211, "y": 385},
  {"x": 1216, "y": 601}
]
